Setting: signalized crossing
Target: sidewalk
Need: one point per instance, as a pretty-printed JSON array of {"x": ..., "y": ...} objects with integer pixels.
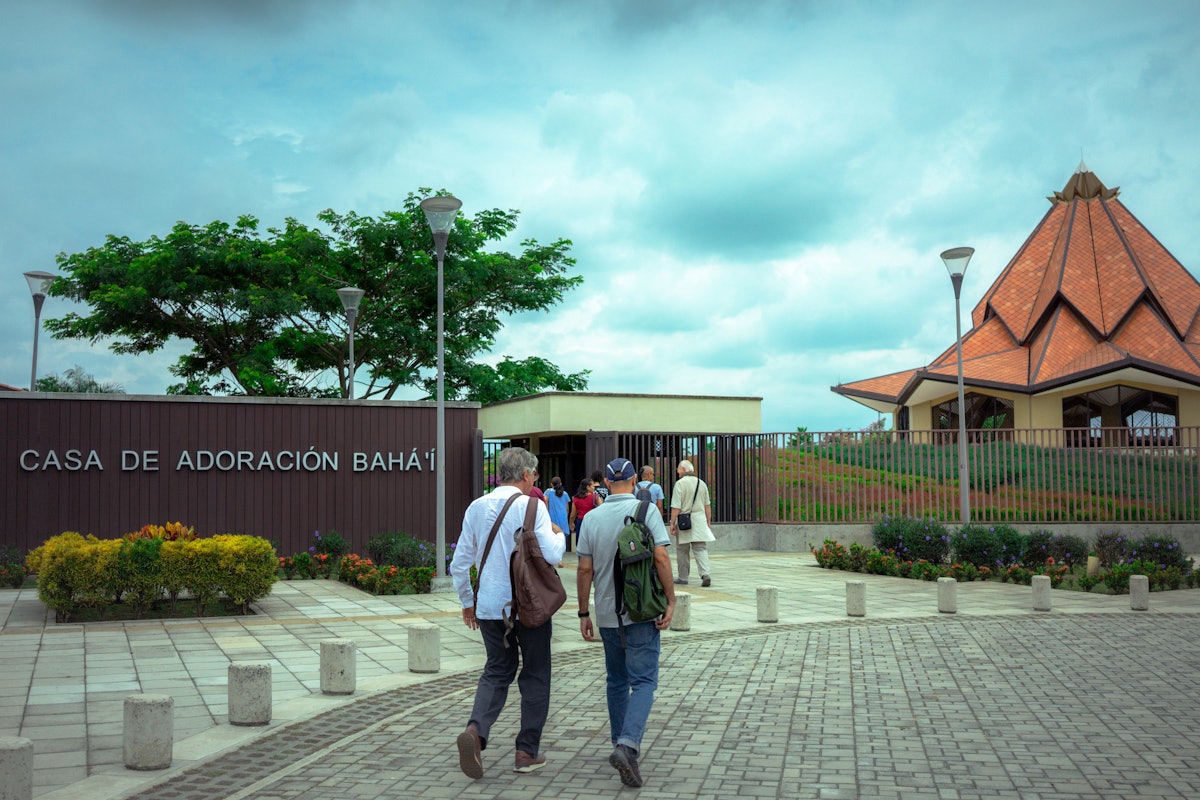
[{"x": 1090, "y": 699}]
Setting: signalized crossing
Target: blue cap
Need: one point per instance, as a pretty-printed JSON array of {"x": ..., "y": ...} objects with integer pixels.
[{"x": 619, "y": 469}]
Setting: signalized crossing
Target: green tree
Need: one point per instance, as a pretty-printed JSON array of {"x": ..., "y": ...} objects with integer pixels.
[
  {"x": 263, "y": 316},
  {"x": 77, "y": 381},
  {"x": 509, "y": 379}
]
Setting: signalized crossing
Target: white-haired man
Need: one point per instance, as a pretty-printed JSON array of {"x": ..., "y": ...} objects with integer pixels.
[
  {"x": 690, "y": 496},
  {"x": 516, "y": 470}
]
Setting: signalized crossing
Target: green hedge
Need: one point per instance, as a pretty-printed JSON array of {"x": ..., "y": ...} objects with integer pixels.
[{"x": 76, "y": 572}]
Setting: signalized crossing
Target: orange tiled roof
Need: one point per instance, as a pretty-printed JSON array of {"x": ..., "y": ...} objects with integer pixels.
[{"x": 1091, "y": 290}]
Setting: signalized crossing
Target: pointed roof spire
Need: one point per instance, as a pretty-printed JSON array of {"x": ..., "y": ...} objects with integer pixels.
[{"x": 1084, "y": 185}]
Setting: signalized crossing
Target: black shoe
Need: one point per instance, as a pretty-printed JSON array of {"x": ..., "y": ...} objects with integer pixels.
[
  {"x": 705, "y": 580},
  {"x": 625, "y": 760},
  {"x": 680, "y": 582}
]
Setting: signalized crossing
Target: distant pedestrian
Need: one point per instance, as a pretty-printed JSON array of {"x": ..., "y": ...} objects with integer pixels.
[
  {"x": 631, "y": 649},
  {"x": 506, "y": 649},
  {"x": 690, "y": 496},
  {"x": 585, "y": 500},
  {"x": 598, "y": 483},
  {"x": 647, "y": 489},
  {"x": 558, "y": 500}
]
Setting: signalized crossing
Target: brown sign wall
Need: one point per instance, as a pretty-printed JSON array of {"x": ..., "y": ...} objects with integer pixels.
[{"x": 277, "y": 468}]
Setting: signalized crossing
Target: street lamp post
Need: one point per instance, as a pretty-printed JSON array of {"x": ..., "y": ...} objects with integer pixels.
[
  {"x": 956, "y": 261},
  {"x": 351, "y": 297},
  {"x": 39, "y": 283},
  {"x": 440, "y": 213}
]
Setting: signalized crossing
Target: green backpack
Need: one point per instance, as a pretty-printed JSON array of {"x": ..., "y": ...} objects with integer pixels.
[{"x": 639, "y": 592}]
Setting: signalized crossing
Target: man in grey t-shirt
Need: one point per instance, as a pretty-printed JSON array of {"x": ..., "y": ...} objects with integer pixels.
[{"x": 631, "y": 650}]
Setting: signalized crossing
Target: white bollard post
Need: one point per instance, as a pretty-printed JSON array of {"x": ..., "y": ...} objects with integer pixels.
[
  {"x": 1139, "y": 592},
  {"x": 681, "y": 620},
  {"x": 768, "y": 604},
  {"x": 947, "y": 596},
  {"x": 1041, "y": 593},
  {"x": 249, "y": 694},
  {"x": 149, "y": 734},
  {"x": 856, "y": 598},
  {"x": 16, "y": 768},
  {"x": 424, "y": 648},
  {"x": 339, "y": 675}
]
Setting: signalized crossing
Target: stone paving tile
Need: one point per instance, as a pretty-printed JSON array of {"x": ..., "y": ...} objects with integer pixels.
[{"x": 878, "y": 707}]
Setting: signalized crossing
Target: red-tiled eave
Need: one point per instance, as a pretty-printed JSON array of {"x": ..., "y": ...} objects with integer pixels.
[
  {"x": 885, "y": 388},
  {"x": 1090, "y": 291}
]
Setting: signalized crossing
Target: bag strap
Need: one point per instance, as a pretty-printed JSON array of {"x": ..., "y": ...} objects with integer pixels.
[
  {"x": 510, "y": 610},
  {"x": 491, "y": 538},
  {"x": 695, "y": 494},
  {"x": 619, "y": 571}
]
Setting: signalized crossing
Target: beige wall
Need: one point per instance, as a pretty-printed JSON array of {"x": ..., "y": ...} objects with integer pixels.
[
  {"x": 1045, "y": 410},
  {"x": 567, "y": 412}
]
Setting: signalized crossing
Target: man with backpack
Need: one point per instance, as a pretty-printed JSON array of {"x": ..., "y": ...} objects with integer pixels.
[
  {"x": 631, "y": 643},
  {"x": 647, "y": 489}
]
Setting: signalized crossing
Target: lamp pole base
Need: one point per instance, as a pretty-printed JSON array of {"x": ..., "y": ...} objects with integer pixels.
[{"x": 441, "y": 584}]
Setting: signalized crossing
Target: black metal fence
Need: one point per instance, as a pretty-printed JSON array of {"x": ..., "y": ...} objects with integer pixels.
[{"x": 1029, "y": 476}]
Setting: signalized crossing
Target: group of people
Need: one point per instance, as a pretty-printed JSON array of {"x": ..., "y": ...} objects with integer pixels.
[{"x": 594, "y": 516}]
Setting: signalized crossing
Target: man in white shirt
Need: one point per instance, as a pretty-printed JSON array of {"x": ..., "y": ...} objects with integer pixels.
[{"x": 516, "y": 470}]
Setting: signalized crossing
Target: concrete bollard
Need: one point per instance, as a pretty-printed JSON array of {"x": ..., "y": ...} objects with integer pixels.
[
  {"x": 947, "y": 596},
  {"x": 249, "y": 694},
  {"x": 16, "y": 768},
  {"x": 424, "y": 648},
  {"x": 339, "y": 674},
  {"x": 149, "y": 734},
  {"x": 1139, "y": 592},
  {"x": 856, "y": 598},
  {"x": 681, "y": 620},
  {"x": 1041, "y": 593},
  {"x": 768, "y": 604}
]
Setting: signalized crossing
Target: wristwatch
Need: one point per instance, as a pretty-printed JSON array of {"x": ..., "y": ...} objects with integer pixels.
[{"x": 583, "y": 614}]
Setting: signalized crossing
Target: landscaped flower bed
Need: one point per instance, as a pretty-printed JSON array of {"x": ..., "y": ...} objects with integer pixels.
[
  {"x": 149, "y": 571},
  {"x": 924, "y": 549},
  {"x": 396, "y": 563}
]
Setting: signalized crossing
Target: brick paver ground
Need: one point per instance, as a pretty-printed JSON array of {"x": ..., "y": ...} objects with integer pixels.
[
  {"x": 939, "y": 708},
  {"x": 1089, "y": 700}
]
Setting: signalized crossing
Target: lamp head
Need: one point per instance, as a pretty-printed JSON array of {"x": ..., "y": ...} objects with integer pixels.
[
  {"x": 351, "y": 297},
  {"x": 39, "y": 282},
  {"x": 956, "y": 260},
  {"x": 440, "y": 212}
]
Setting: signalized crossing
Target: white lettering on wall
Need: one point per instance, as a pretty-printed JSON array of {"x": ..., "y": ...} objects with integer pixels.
[{"x": 70, "y": 460}]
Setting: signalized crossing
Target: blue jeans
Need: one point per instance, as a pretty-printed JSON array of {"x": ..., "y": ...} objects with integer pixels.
[{"x": 632, "y": 679}]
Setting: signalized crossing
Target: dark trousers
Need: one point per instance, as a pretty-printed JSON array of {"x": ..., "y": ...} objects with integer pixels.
[{"x": 529, "y": 647}]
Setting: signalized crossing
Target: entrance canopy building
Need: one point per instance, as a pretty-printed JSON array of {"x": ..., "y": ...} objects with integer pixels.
[{"x": 1092, "y": 324}]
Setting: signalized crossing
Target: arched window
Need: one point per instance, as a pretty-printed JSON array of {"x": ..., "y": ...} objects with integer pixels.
[
  {"x": 983, "y": 412},
  {"x": 1149, "y": 416}
]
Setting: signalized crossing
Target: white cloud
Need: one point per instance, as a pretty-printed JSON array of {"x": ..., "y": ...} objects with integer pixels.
[{"x": 759, "y": 191}]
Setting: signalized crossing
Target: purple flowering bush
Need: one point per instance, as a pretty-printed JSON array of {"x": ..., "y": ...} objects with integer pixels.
[
  {"x": 992, "y": 546},
  {"x": 912, "y": 538},
  {"x": 401, "y": 550}
]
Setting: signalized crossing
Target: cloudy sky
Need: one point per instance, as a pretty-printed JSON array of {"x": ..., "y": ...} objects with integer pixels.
[{"x": 757, "y": 192}]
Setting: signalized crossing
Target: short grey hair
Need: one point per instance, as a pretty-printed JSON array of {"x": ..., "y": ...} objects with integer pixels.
[
  {"x": 686, "y": 466},
  {"x": 512, "y": 462}
]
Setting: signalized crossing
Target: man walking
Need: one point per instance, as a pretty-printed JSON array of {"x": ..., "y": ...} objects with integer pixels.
[
  {"x": 631, "y": 649},
  {"x": 516, "y": 470},
  {"x": 689, "y": 496},
  {"x": 647, "y": 489}
]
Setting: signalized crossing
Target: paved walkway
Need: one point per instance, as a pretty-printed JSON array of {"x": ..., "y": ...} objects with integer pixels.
[{"x": 1088, "y": 700}]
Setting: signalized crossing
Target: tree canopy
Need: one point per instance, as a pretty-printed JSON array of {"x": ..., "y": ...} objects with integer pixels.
[
  {"x": 78, "y": 381},
  {"x": 263, "y": 316}
]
